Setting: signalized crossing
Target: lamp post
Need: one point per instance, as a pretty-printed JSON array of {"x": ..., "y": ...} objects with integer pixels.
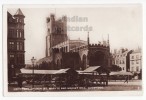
[{"x": 33, "y": 61}]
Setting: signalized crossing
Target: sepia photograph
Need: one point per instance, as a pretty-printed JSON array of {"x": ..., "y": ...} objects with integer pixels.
[{"x": 73, "y": 48}]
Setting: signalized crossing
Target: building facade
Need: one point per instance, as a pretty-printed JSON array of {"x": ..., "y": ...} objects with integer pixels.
[
  {"x": 136, "y": 61},
  {"x": 122, "y": 59},
  {"x": 15, "y": 41},
  {"x": 76, "y": 54}
]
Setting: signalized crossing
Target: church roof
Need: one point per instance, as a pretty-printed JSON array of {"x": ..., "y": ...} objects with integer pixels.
[
  {"x": 121, "y": 73},
  {"x": 19, "y": 12},
  {"x": 45, "y": 59},
  {"x": 72, "y": 44}
]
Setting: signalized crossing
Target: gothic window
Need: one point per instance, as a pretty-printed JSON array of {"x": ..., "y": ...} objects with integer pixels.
[{"x": 132, "y": 57}]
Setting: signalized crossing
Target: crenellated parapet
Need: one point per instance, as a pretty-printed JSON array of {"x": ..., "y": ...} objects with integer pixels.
[{"x": 99, "y": 45}]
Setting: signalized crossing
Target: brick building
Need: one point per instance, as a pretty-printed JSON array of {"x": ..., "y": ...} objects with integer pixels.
[{"x": 15, "y": 41}]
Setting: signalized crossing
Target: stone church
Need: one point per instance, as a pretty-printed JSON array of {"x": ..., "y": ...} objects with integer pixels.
[{"x": 61, "y": 52}]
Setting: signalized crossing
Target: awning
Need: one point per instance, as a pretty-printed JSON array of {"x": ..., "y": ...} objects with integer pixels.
[
  {"x": 121, "y": 73},
  {"x": 91, "y": 69},
  {"x": 61, "y": 71},
  {"x": 30, "y": 71}
]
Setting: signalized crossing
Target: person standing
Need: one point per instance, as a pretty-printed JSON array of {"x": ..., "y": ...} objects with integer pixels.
[{"x": 126, "y": 79}]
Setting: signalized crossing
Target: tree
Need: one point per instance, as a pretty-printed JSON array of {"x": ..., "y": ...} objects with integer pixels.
[{"x": 115, "y": 68}]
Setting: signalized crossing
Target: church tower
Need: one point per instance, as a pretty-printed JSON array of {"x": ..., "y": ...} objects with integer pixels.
[{"x": 56, "y": 32}]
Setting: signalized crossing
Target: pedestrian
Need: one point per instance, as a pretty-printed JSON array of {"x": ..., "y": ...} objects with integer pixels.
[{"x": 126, "y": 79}]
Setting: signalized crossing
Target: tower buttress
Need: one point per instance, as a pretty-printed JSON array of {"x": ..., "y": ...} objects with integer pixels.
[{"x": 64, "y": 20}]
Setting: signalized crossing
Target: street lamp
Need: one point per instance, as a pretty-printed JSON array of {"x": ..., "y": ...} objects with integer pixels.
[{"x": 33, "y": 61}]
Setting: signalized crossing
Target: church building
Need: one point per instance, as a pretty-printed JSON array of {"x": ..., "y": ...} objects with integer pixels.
[{"x": 62, "y": 52}]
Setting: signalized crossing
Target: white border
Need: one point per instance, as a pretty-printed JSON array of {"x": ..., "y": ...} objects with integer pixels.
[{"x": 75, "y": 2}]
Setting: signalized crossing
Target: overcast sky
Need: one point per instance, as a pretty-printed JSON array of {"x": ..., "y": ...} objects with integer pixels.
[{"x": 123, "y": 23}]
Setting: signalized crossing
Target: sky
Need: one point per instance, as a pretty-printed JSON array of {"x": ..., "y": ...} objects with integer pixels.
[{"x": 123, "y": 23}]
